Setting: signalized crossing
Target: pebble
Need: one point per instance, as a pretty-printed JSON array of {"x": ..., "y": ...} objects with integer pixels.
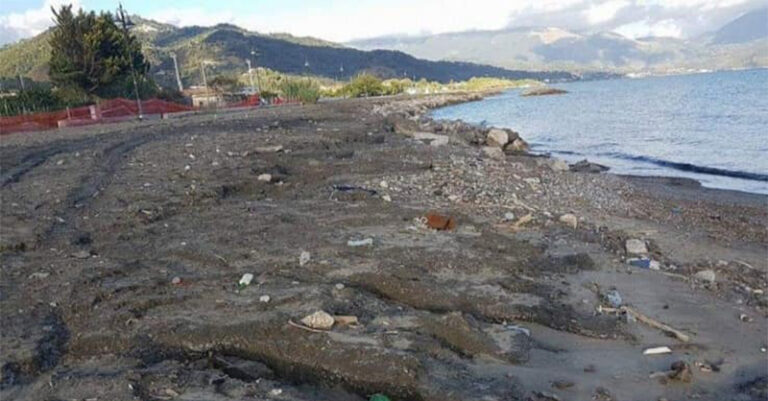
[
  {"x": 361, "y": 242},
  {"x": 614, "y": 298},
  {"x": 265, "y": 177},
  {"x": 569, "y": 220},
  {"x": 176, "y": 280},
  {"x": 706, "y": 275},
  {"x": 386, "y": 198},
  {"x": 264, "y": 298},
  {"x": 339, "y": 286},
  {"x": 559, "y": 165},
  {"x": 384, "y": 184},
  {"x": 246, "y": 279},
  {"x": 636, "y": 246}
]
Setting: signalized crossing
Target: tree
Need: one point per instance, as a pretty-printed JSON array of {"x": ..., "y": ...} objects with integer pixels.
[{"x": 91, "y": 52}]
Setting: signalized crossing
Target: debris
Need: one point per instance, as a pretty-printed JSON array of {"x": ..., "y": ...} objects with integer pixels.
[
  {"x": 276, "y": 391},
  {"x": 509, "y": 216},
  {"x": 350, "y": 188},
  {"x": 680, "y": 371},
  {"x": 522, "y": 221},
  {"x": 586, "y": 166},
  {"x": 497, "y": 137},
  {"x": 386, "y": 198},
  {"x": 657, "y": 351},
  {"x": 269, "y": 149},
  {"x": 304, "y": 258},
  {"x": 384, "y": 184},
  {"x": 265, "y": 177},
  {"x": 649, "y": 321},
  {"x": 360, "y": 242},
  {"x": 245, "y": 281},
  {"x": 562, "y": 384},
  {"x": 644, "y": 263},
  {"x": 39, "y": 275},
  {"x": 319, "y": 320},
  {"x": 614, "y": 298},
  {"x": 264, "y": 298},
  {"x": 176, "y": 280},
  {"x": 635, "y": 246},
  {"x": 439, "y": 222},
  {"x": 379, "y": 397},
  {"x": 744, "y": 318},
  {"x": 339, "y": 286},
  {"x": 519, "y": 329},
  {"x": 81, "y": 255},
  {"x": 345, "y": 320},
  {"x": 706, "y": 275},
  {"x": 569, "y": 220},
  {"x": 493, "y": 152}
]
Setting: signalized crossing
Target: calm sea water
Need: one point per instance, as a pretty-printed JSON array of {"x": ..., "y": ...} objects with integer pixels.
[{"x": 710, "y": 127}]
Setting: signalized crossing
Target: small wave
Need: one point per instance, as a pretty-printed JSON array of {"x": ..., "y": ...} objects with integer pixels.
[{"x": 693, "y": 168}]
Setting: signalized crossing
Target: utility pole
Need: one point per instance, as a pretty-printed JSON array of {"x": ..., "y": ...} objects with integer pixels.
[
  {"x": 258, "y": 79},
  {"x": 21, "y": 79},
  {"x": 125, "y": 23},
  {"x": 250, "y": 74},
  {"x": 176, "y": 68},
  {"x": 205, "y": 81}
]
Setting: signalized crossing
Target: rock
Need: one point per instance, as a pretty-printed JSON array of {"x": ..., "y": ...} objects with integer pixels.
[
  {"x": 509, "y": 216},
  {"x": 532, "y": 181},
  {"x": 706, "y": 275},
  {"x": 569, "y": 220},
  {"x": 635, "y": 246},
  {"x": 431, "y": 139},
  {"x": 176, "y": 280},
  {"x": 386, "y": 198},
  {"x": 558, "y": 165},
  {"x": 585, "y": 166},
  {"x": 339, "y": 286},
  {"x": 265, "y": 177},
  {"x": 304, "y": 258},
  {"x": 493, "y": 152},
  {"x": 384, "y": 184},
  {"x": 562, "y": 384},
  {"x": 497, "y": 137},
  {"x": 516, "y": 146},
  {"x": 264, "y": 298},
  {"x": 39, "y": 275},
  {"x": 319, "y": 320}
]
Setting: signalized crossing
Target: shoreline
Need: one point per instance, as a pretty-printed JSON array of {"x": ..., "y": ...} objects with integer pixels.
[{"x": 180, "y": 259}]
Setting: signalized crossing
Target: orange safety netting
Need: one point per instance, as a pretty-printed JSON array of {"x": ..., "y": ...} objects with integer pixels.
[{"x": 107, "y": 111}]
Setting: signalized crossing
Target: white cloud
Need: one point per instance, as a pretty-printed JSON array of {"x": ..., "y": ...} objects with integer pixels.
[
  {"x": 343, "y": 20},
  {"x": 15, "y": 26}
]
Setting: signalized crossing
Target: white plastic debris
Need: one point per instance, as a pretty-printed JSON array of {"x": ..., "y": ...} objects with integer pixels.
[
  {"x": 657, "y": 351},
  {"x": 246, "y": 280},
  {"x": 265, "y": 177},
  {"x": 360, "y": 242},
  {"x": 304, "y": 258}
]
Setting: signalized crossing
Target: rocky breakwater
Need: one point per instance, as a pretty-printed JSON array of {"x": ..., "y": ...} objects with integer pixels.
[{"x": 410, "y": 118}]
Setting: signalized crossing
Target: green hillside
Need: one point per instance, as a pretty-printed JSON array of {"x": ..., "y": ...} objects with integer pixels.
[{"x": 224, "y": 48}]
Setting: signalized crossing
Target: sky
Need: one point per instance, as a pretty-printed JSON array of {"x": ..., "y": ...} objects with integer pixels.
[{"x": 344, "y": 20}]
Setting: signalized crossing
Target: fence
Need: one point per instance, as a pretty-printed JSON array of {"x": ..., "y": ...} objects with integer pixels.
[{"x": 107, "y": 111}]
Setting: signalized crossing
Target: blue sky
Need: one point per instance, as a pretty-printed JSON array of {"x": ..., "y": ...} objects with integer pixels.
[{"x": 342, "y": 20}]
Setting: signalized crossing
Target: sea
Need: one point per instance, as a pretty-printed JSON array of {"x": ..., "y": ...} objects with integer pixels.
[{"x": 711, "y": 127}]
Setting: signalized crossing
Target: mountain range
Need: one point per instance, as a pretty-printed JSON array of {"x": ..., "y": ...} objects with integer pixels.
[
  {"x": 741, "y": 43},
  {"x": 224, "y": 49}
]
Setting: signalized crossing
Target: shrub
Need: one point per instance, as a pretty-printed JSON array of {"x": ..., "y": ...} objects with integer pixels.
[
  {"x": 299, "y": 89},
  {"x": 364, "y": 85}
]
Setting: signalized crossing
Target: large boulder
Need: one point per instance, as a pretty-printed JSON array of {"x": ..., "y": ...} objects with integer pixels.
[
  {"x": 516, "y": 146},
  {"x": 497, "y": 137}
]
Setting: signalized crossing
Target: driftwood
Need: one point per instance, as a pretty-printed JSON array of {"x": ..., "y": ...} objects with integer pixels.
[{"x": 650, "y": 322}]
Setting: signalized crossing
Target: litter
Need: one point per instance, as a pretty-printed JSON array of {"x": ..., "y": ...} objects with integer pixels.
[
  {"x": 360, "y": 242},
  {"x": 657, "y": 351},
  {"x": 439, "y": 222}
]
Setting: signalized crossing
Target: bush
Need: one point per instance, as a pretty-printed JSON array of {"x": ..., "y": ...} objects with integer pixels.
[
  {"x": 364, "y": 85},
  {"x": 300, "y": 89}
]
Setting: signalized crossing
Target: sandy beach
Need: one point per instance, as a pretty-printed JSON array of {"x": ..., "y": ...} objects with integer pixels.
[{"x": 452, "y": 270}]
